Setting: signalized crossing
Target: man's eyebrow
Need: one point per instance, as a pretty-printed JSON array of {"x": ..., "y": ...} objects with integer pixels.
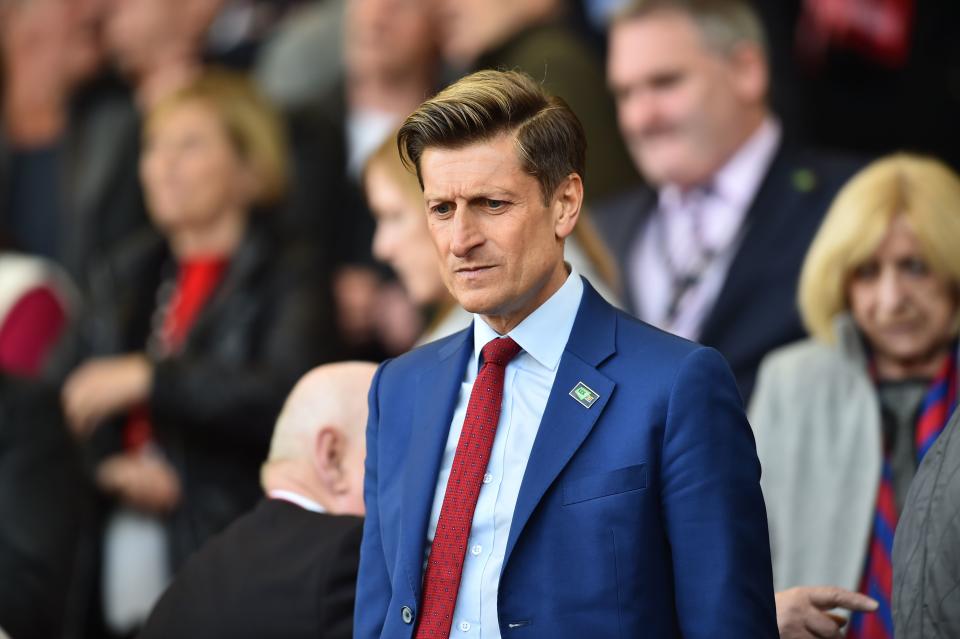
[{"x": 491, "y": 193}]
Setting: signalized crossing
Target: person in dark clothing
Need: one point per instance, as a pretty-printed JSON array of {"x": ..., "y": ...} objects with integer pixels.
[
  {"x": 713, "y": 251},
  {"x": 288, "y": 568},
  {"x": 43, "y": 502},
  {"x": 926, "y": 547},
  {"x": 194, "y": 336},
  {"x": 69, "y": 141}
]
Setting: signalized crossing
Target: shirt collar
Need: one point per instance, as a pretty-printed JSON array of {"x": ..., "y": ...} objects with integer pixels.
[
  {"x": 296, "y": 498},
  {"x": 543, "y": 333},
  {"x": 737, "y": 182}
]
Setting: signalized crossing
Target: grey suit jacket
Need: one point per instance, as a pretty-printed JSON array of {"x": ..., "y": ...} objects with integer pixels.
[{"x": 926, "y": 549}]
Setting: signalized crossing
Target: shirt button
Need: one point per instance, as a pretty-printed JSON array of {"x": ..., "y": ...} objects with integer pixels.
[
  {"x": 487, "y": 478},
  {"x": 406, "y": 614},
  {"x": 477, "y": 549},
  {"x": 465, "y": 626}
]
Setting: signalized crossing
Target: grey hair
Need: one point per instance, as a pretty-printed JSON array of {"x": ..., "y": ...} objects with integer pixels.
[{"x": 724, "y": 24}]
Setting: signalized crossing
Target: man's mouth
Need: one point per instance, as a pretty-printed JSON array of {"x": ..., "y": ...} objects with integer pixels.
[{"x": 472, "y": 271}]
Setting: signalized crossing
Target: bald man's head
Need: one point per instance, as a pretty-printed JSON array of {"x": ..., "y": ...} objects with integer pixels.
[{"x": 318, "y": 441}]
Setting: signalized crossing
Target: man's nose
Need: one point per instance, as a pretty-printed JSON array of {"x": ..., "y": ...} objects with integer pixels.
[
  {"x": 466, "y": 233},
  {"x": 637, "y": 112}
]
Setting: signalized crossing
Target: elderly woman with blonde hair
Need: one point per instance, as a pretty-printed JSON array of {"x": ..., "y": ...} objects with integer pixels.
[{"x": 843, "y": 419}]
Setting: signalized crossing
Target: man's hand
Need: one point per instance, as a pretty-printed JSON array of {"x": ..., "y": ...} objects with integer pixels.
[
  {"x": 142, "y": 480},
  {"x": 803, "y": 612},
  {"x": 104, "y": 387}
]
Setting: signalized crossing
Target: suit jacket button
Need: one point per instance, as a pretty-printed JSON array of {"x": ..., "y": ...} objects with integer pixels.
[{"x": 406, "y": 614}]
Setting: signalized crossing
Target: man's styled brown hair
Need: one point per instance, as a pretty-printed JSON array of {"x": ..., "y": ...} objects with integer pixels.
[{"x": 549, "y": 138}]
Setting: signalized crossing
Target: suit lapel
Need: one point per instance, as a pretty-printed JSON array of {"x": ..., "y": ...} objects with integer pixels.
[
  {"x": 439, "y": 388},
  {"x": 566, "y": 423},
  {"x": 775, "y": 201}
]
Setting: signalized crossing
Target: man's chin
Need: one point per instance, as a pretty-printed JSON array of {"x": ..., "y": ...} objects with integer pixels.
[{"x": 473, "y": 301}]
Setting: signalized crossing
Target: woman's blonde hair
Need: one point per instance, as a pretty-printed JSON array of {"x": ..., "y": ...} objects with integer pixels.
[
  {"x": 924, "y": 190},
  {"x": 387, "y": 158},
  {"x": 250, "y": 121}
]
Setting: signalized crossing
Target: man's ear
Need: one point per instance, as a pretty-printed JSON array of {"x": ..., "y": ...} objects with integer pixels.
[
  {"x": 567, "y": 201},
  {"x": 329, "y": 446},
  {"x": 751, "y": 72}
]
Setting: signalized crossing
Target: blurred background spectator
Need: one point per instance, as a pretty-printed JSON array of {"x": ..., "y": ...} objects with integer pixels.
[
  {"x": 713, "y": 250},
  {"x": 531, "y": 36},
  {"x": 403, "y": 241},
  {"x": 926, "y": 550},
  {"x": 43, "y": 503},
  {"x": 301, "y": 544},
  {"x": 37, "y": 300},
  {"x": 192, "y": 337},
  {"x": 843, "y": 418},
  {"x": 868, "y": 76},
  {"x": 68, "y": 185}
]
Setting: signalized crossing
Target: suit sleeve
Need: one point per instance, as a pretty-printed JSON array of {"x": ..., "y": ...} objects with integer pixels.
[
  {"x": 373, "y": 580},
  {"x": 713, "y": 507}
]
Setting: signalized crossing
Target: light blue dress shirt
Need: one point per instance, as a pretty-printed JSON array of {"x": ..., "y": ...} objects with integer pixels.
[{"x": 529, "y": 377}]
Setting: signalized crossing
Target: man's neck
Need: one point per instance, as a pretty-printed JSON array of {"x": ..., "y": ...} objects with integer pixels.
[{"x": 288, "y": 480}]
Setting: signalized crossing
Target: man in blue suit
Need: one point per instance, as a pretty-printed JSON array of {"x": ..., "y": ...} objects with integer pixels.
[{"x": 617, "y": 494}]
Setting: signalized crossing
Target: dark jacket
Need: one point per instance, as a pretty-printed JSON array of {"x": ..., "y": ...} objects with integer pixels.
[
  {"x": 214, "y": 403},
  {"x": 926, "y": 549},
  {"x": 756, "y": 310},
  {"x": 43, "y": 502},
  {"x": 279, "y": 571},
  {"x": 82, "y": 192}
]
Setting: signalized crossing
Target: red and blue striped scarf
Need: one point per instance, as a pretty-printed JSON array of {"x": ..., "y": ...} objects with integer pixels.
[{"x": 935, "y": 410}]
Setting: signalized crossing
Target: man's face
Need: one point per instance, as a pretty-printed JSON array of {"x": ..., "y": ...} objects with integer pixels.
[
  {"x": 683, "y": 108},
  {"x": 500, "y": 246}
]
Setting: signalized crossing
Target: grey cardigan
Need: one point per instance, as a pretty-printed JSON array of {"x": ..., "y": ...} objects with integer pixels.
[{"x": 816, "y": 417}]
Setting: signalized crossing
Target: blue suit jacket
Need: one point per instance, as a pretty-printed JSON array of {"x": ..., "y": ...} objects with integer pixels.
[{"x": 640, "y": 516}]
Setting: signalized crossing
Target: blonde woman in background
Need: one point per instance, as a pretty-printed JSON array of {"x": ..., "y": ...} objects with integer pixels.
[
  {"x": 843, "y": 418},
  {"x": 193, "y": 335},
  {"x": 403, "y": 241}
]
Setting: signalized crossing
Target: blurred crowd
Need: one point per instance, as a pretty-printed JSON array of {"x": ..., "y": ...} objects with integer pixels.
[{"x": 202, "y": 200}]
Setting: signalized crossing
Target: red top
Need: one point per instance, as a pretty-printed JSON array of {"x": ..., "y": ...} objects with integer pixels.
[{"x": 197, "y": 278}]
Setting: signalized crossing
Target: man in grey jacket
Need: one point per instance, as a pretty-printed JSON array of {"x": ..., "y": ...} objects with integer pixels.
[{"x": 926, "y": 549}]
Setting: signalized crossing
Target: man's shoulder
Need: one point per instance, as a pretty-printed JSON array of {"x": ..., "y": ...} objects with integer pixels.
[
  {"x": 811, "y": 170},
  {"x": 215, "y": 579},
  {"x": 650, "y": 345},
  {"x": 428, "y": 354},
  {"x": 639, "y": 346}
]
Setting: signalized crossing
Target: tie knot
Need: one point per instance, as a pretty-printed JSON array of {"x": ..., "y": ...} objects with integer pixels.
[{"x": 500, "y": 351}]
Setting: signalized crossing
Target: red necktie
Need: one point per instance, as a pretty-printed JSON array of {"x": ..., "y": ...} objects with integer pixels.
[{"x": 441, "y": 582}]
